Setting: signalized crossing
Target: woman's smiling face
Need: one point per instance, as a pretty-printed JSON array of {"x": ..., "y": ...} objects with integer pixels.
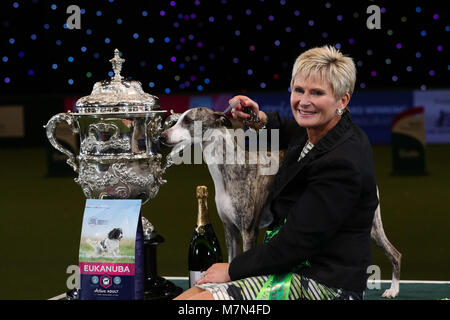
[{"x": 314, "y": 106}]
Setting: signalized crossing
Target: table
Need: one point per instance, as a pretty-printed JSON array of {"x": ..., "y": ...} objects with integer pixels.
[{"x": 409, "y": 289}]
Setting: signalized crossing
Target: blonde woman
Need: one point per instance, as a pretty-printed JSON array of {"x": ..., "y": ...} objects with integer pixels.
[{"x": 322, "y": 201}]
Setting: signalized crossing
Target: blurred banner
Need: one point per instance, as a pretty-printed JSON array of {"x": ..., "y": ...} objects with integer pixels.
[
  {"x": 437, "y": 114},
  {"x": 69, "y": 104},
  {"x": 177, "y": 103},
  {"x": 12, "y": 123},
  {"x": 373, "y": 111},
  {"x": 408, "y": 142}
]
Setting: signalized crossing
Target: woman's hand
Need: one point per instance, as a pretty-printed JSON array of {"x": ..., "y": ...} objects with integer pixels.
[
  {"x": 217, "y": 273},
  {"x": 245, "y": 101}
]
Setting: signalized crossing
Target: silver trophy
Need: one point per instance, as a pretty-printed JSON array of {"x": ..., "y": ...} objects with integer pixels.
[{"x": 119, "y": 127}]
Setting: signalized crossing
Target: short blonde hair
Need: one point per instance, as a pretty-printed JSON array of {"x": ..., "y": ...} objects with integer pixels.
[{"x": 327, "y": 64}]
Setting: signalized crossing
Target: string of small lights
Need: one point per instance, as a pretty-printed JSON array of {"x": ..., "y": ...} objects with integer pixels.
[{"x": 217, "y": 45}]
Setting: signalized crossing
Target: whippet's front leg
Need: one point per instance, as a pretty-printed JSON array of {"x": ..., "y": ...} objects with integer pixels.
[
  {"x": 249, "y": 238},
  {"x": 232, "y": 240}
]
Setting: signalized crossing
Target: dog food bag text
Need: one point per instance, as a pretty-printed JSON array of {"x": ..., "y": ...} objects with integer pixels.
[{"x": 111, "y": 257}]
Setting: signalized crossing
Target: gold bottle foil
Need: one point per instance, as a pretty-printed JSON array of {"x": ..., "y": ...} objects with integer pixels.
[{"x": 202, "y": 216}]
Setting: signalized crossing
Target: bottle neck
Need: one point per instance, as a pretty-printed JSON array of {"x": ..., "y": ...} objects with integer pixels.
[
  {"x": 150, "y": 271},
  {"x": 202, "y": 215}
]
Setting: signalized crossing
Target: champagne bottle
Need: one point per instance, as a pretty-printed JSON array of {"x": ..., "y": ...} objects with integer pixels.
[{"x": 204, "y": 249}]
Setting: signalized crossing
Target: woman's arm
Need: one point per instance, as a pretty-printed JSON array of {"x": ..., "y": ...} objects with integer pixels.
[
  {"x": 271, "y": 120},
  {"x": 217, "y": 273}
]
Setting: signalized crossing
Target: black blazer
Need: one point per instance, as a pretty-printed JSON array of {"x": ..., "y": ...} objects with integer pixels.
[{"x": 328, "y": 200}]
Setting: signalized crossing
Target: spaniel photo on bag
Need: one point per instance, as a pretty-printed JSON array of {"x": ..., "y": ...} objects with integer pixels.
[
  {"x": 111, "y": 250},
  {"x": 109, "y": 245}
]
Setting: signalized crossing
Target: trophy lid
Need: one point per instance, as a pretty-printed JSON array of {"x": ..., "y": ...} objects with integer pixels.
[{"x": 117, "y": 95}]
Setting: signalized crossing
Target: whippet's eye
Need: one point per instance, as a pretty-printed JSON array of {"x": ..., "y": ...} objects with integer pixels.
[{"x": 186, "y": 120}]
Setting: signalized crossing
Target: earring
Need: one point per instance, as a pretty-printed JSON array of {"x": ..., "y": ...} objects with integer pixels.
[{"x": 339, "y": 111}]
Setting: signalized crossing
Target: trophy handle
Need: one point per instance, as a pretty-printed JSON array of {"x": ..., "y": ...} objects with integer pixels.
[
  {"x": 50, "y": 130},
  {"x": 168, "y": 123},
  {"x": 171, "y": 119}
]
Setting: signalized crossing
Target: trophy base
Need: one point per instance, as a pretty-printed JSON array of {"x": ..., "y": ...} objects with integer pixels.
[
  {"x": 160, "y": 289},
  {"x": 156, "y": 287}
]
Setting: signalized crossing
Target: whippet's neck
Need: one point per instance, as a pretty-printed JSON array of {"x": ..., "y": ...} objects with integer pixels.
[
  {"x": 215, "y": 145},
  {"x": 214, "y": 150}
]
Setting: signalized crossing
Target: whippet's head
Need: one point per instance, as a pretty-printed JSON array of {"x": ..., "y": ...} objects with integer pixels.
[{"x": 184, "y": 131}]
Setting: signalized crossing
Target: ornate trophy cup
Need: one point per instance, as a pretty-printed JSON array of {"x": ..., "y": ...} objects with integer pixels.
[{"x": 119, "y": 126}]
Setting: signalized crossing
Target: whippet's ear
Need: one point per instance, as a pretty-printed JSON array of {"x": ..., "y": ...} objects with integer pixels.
[{"x": 222, "y": 120}]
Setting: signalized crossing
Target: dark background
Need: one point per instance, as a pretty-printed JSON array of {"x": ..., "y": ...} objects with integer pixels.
[
  {"x": 217, "y": 41},
  {"x": 202, "y": 47}
]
